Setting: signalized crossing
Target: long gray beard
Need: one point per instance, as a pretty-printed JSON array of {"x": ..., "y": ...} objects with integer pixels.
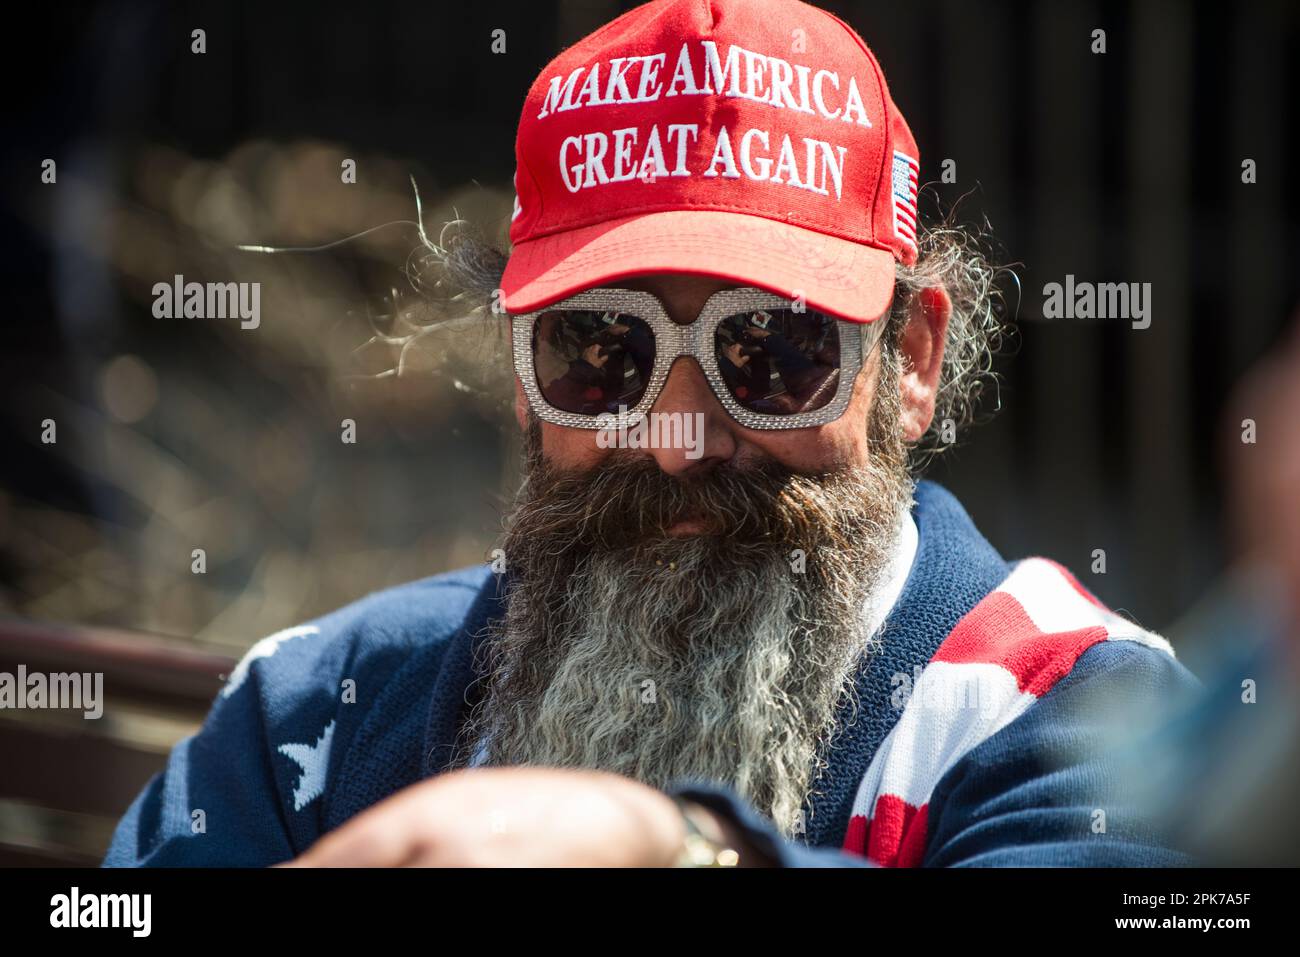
[{"x": 722, "y": 657}]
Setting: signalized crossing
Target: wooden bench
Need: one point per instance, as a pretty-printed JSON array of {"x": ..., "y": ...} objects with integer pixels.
[{"x": 66, "y": 779}]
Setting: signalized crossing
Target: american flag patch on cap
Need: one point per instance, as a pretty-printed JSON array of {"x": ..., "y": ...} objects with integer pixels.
[{"x": 906, "y": 177}]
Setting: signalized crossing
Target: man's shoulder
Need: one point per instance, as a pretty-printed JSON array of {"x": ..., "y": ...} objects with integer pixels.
[
  {"x": 316, "y": 722},
  {"x": 1081, "y": 693},
  {"x": 1035, "y": 626},
  {"x": 372, "y": 633},
  {"x": 1014, "y": 713},
  {"x": 415, "y": 610},
  {"x": 1040, "y": 638},
  {"x": 349, "y": 694},
  {"x": 414, "y": 614},
  {"x": 1057, "y": 663}
]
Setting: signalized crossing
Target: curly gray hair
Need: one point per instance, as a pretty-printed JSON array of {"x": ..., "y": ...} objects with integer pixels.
[
  {"x": 960, "y": 260},
  {"x": 463, "y": 271}
]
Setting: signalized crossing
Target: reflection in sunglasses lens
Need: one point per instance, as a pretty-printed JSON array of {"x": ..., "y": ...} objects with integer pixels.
[
  {"x": 779, "y": 361},
  {"x": 591, "y": 361}
]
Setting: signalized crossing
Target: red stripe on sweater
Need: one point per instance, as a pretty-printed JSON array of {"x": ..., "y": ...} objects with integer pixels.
[
  {"x": 997, "y": 631},
  {"x": 855, "y": 838},
  {"x": 895, "y": 835}
]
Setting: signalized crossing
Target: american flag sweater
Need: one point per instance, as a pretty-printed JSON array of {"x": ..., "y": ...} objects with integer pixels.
[{"x": 977, "y": 738}]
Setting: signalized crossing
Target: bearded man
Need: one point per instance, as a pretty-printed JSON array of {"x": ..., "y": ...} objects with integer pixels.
[{"x": 772, "y": 647}]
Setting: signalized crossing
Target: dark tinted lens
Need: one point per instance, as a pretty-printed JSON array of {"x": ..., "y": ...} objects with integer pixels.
[
  {"x": 589, "y": 361},
  {"x": 778, "y": 361}
]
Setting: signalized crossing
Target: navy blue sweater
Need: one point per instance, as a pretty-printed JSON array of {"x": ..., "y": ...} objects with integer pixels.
[{"x": 321, "y": 721}]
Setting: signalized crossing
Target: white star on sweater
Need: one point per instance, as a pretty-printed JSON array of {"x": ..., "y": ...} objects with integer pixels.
[
  {"x": 263, "y": 649},
  {"x": 314, "y": 760}
]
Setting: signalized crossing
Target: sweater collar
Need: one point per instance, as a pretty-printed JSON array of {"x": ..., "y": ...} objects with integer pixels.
[
  {"x": 953, "y": 569},
  {"x": 884, "y": 596}
]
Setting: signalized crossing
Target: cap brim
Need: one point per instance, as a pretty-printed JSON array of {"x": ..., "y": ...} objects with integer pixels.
[{"x": 841, "y": 277}]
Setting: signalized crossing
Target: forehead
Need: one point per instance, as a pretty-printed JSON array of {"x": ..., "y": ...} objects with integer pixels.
[
  {"x": 673, "y": 284},
  {"x": 683, "y": 294}
]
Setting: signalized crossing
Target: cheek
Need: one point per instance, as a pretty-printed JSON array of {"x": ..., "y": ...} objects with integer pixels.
[
  {"x": 837, "y": 444},
  {"x": 571, "y": 448}
]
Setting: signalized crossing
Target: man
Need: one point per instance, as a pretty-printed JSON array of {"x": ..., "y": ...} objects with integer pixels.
[{"x": 779, "y": 650}]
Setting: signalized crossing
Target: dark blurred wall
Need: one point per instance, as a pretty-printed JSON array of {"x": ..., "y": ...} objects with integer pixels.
[{"x": 1117, "y": 167}]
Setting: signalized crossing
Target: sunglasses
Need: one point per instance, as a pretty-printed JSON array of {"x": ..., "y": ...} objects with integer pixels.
[{"x": 771, "y": 364}]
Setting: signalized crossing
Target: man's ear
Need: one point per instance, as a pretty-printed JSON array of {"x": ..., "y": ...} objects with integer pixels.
[{"x": 921, "y": 347}]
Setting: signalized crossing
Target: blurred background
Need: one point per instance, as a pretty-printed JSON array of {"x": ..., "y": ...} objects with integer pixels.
[{"x": 174, "y": 435}]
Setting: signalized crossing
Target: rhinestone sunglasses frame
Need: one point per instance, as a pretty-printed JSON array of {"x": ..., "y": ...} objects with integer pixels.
[{"x": 695, "y": 339}]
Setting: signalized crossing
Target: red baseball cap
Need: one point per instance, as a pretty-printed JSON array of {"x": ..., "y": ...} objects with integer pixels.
[{"x": 752, "y": 140}]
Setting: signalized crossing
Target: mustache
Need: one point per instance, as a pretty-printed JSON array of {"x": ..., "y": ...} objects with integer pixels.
[{"x": 628, "y": 500}]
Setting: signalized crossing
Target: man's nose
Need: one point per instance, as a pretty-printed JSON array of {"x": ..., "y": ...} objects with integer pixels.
[{"x": 702, "y": 437}]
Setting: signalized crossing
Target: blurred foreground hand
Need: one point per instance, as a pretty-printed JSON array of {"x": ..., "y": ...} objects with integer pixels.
[{"x": 520, "y": 817}]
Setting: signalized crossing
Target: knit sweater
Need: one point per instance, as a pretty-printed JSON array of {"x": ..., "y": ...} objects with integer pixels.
[{"x": 976, "y": 739}]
